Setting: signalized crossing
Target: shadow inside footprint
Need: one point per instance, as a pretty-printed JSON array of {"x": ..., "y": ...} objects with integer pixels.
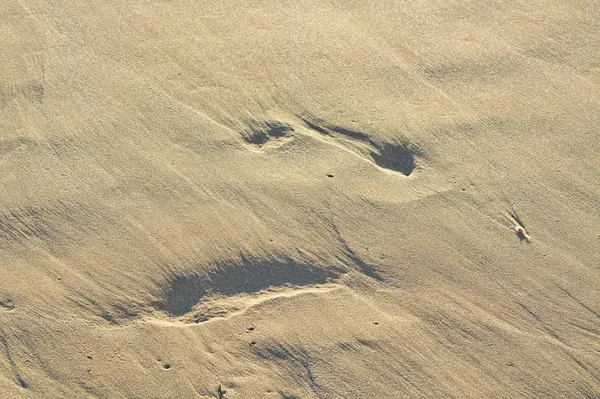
[
  {"x": 396, "y": 157},
  {"x": 182, "y": 292},
  {"x": 262, "y": 133}
]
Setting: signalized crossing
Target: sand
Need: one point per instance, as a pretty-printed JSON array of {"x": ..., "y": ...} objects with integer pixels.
[{"x": 342, "y": 199}]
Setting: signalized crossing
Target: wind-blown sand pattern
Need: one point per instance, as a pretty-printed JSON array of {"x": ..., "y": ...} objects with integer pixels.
[{"x": 296, "y": 200}]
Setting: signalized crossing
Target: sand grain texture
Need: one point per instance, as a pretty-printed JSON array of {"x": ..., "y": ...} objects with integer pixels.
[{"x": 299, "y": 199}]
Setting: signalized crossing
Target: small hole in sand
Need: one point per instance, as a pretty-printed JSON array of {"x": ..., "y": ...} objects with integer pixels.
[
  {"x": 250, "y": 329},
  {"x": 330, "y": 175},
  {"x": 252, "y": 343},
  {"x": 376, "y": 323},
  {"x": 167, "y": 366}
]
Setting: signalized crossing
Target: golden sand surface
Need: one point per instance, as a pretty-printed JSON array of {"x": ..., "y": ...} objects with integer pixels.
[{"x": 299, "y": 199}]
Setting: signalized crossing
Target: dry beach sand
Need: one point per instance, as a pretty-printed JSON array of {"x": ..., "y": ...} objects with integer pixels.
[{"x": 314, "y": 199}]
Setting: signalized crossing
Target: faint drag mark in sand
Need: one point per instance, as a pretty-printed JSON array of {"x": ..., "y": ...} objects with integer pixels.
[
  {"x": 483, "y": 70},
  {"x": 9, "y": 145},
  {"x": 32, "y": 92},
  {"x": 583, "y": 305},
  {"x": 48, "y": 223},
  {"x": 401, "y": 156},
  {"x": 349, "y": 254},
  {"x": 28, "y": 223},
  {"x": 20, "y": 380},
  {"x": 304, "y": 363},
  {"x": 61, "y": 148}
]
